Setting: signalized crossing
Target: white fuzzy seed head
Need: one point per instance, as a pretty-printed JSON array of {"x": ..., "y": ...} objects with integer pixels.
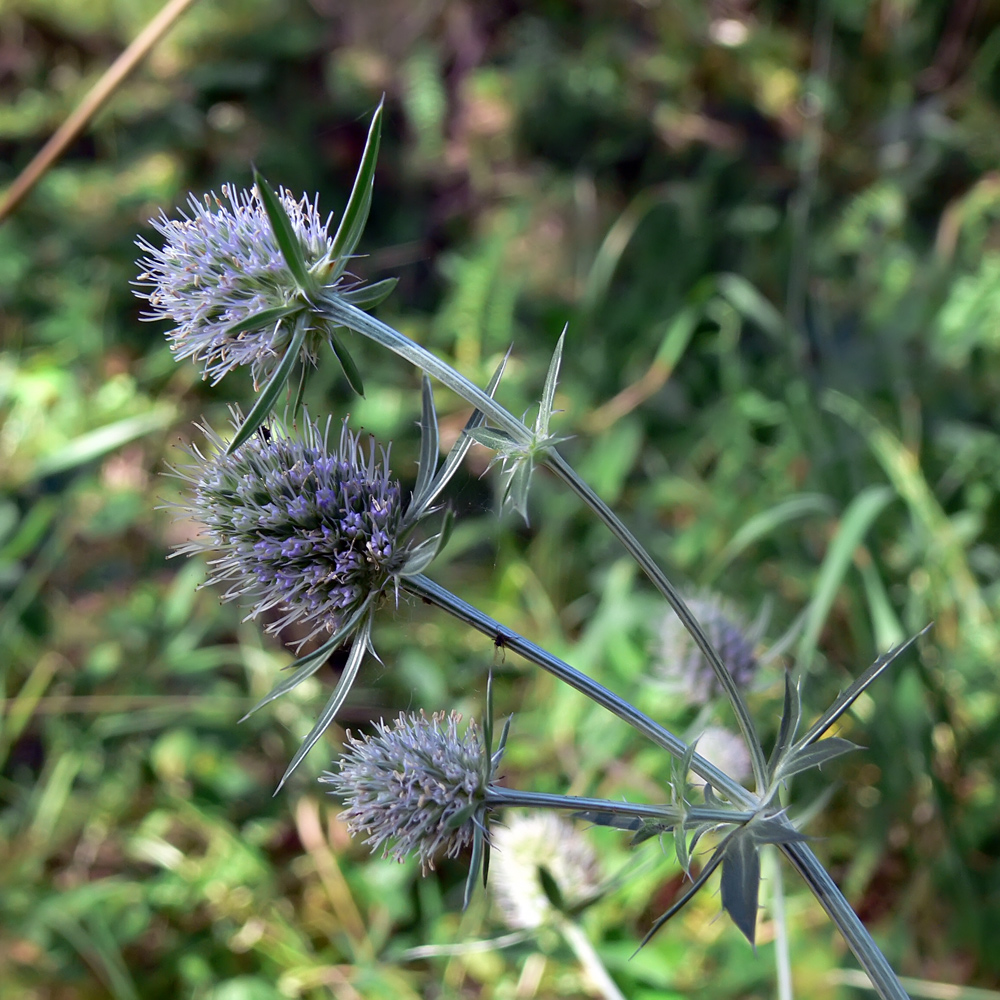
[{"x": 528, "y": 842}]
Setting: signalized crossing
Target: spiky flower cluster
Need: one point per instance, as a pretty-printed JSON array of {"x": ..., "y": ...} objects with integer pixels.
[
  {"x": 219, "y": 267},
  {"x": 527, "y": 843},
  {"x": 298, "y": 526},
  {"x": 682, "y": 668},
  {"x": 415, "y": 788}
]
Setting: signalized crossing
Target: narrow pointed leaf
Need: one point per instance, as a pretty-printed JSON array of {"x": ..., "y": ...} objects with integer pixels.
[
  {"x": 478, "y": 843},
  {"x": 549, "y": 392},
  {"x": 775, "y": 831},
  {"x": 741, "y": 883},
  {"x": 307, "y": 665},
  {"x": 266, "y": 317},
  {"x": 429, "y": 442},
  {"x": 488, "y": 717},
  {"x": 791, "y": 714},
  {"x": 493, "y": 439},
  {"x": 456, "y": 819},
  {"x": 616, "y": 821},
  {"x": 700, "y": 832},
  {"x": 814, "y": 755},
  {"x": 702, "y": 878},
  {"x": 268, "y": 396},
  {"x": 352, "y": 222},
  {"x": 486, "y": 860},
  {"x": 370, "y": 296},
  {"x": 518, "y": 486},
  {"x": 346, "y": 362},
  {"x": 284, "y": 234},
  {"x": 336, "y": 701},
  {"x": 551, "y": 889},
  {"x": 848, "y": 697},
  {"x": 461, "y": 446},
  {"x": 681, "y": 848},
  {"x": 502, "y": 744},
  {"x": 300, "y": 390},
  {"x": 646, "y": 833},
  {"x": 427, "y": 551}
]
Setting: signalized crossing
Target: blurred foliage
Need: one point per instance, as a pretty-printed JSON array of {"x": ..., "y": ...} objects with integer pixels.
[{"x": 774, "y": 231}]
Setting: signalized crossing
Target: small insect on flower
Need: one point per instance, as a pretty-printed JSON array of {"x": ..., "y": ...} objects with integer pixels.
[
  {"x": 419, "y": 787},
  {"x": 297, "y": 526},
  {"x": 500, "y": 647}
]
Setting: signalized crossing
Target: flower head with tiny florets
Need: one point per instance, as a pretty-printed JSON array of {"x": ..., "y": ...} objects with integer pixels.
[
  {"x": 527, "y": 843},
  {"x": 221, "y": 266},
  {"x": 419, "y": 787},
  {"x": 297, "y": 526},
  {"x": 682, "y": 668}
]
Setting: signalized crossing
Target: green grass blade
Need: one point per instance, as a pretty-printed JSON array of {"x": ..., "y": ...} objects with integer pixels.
[
  {"x": 886, "y": 625},
  {"x": 101, "y": 954},
  {"x": 269, "y": 394},
  {"x": 858, "y": 518},
  {"x": 97, "y": 443},
  {"x": 765, "y": 522}
]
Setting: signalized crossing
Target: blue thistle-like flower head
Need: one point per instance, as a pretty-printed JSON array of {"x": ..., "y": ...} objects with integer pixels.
[
  {"x": 682, "y": 668},
  {"x": 418, "y": 787},
  {"x": 297, "y": 526},
  {"x": 220, "y": 266}
]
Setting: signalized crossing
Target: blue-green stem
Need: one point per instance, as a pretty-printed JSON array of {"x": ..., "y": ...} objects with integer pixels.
[
  {"x": 423, "y": 587},
  {"x": 558, "y": 465},
  {"x": 343, "y": 313},
  {"x": 855, "y": 933},
  {"x": 507, "y": 798}
]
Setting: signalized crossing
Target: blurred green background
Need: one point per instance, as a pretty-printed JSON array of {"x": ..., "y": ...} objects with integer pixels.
[{"x": 774, "y": 231}]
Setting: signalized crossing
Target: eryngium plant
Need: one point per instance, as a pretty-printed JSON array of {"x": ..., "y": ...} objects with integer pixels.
[
  {"x": 417, "y": 788},
  {"x": 437, "y": 803},
  {"x": 295, "y": 525}
]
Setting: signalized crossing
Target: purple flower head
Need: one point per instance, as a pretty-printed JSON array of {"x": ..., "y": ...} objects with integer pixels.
[
  {"x": 292, "y": 524},
  {"x": 221, "y": 266},
  {"x": 680, "y": 665},
  {"x": 416, "y": 787}
]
